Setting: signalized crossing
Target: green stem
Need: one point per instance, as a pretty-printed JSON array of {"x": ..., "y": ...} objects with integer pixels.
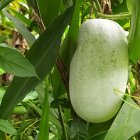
[
  {"x": 119, "y": 16},
  {"x": 62, "y": 123},
  {"x": 44, "y": 125}
]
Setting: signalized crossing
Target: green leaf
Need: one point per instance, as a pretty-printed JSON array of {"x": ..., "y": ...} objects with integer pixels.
[
  {"x": 41, "y": 92},
  {"x": 4, "y": 3},
  {"x": 43, "y": 56},
  {"x": 2, "y": 38},
  {"x": 79, "y": 129},
  {"x": 2, "y": 91},
  {"x": 134, "y": 37},
  {"x": 52, "y": 117},
  {"x": 120, "y": 1},
  {"x": 58, "y": 85},
  {"x": 20, "y": 110},
  {"x": 129, "y": 4},
  {"x": 66, "y": 52},
  {"x": 44, "y": 125},
  {"x": 31, "y": 96},
  {"x": 15, "y": 63},
  {"x": 21, "y": 28},
  {"x": 21, "y": 17},
  {"x": 63, "y": 102},
  {"x": 33, "y": 4},
  {"x": 7, "y": 127},
  {"x": 2, "y": 71},
  {"x": 49, "y": 9},
  {"x": 97, "y": 131},
  {"x": 73, "y": 33},
  {"x": 126, "y": 123}
]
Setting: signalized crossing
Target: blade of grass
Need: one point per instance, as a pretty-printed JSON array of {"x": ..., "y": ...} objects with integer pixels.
[
  {"x": 42, "y": 55},
  {"x": 52, "y": 117},
  {"x": 44, "y": 125}
]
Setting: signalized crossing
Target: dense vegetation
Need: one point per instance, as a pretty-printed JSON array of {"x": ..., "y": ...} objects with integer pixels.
[{"x": 38, "y": 39}]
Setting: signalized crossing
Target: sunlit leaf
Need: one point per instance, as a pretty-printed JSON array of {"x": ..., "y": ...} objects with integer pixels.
[
  {"x": 21, "y": 28},
  {"x": 15, "y": 63},
  {"x": 134, "y": 37},
  {"x": 66, "y": 52},
  {"x": 7, "y": 127},
  {"x": 129, "y": 4},
  {"x": 42, "y": 55},
  {"x": 1, "y": 71},
  {"x": 44, "y": 125},
  {"x": 126, "y": 123},
  {"x": 22, "y": 18}
]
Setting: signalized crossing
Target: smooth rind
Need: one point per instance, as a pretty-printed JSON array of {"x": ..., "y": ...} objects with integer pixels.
[{"x": 99, "y": 70}]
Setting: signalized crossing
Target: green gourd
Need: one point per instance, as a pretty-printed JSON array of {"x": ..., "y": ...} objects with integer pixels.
[{"x": 99, "y": 70}]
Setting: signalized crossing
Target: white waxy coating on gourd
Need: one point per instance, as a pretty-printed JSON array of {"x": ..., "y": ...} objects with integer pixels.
[{"x": 98, "y": 67}]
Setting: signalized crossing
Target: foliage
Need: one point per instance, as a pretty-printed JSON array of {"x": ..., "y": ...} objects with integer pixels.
[{"x": 37, "y": 41}]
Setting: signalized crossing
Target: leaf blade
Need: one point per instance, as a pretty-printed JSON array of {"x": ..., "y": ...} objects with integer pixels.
[
  {"x": 126, "y": 121},
  {"x": 43, "y": 61},
  {"x": 14, "y": 63},
  {"x": 134, "y": 37},
  {"x": 44, "y": 125},
  {"x": 21, "y": 28},
  {"x": 46, "y": 7},
  {"x": 7, "y": 127},
  {"x": 4, "y": 3}
]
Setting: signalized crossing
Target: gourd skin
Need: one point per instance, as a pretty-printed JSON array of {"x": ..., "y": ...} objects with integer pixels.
[{"x": 98, "y": 67}]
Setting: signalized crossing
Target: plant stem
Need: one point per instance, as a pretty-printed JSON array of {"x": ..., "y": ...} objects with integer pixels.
[
  {"x": 119, "y": 16},
  {"x": 44, "y": 125},
  {"x": 63, "y": 73},
  {"x": 62, "y": 123}
]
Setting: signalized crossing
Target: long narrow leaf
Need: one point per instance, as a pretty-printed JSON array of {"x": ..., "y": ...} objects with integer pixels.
[
  {"x": 134, "y": 48},
  {"x": 21, "y": 28},
  {"x": 44, "y": 125},
  {"x": 42, "y": 55},
  {"x": 126, "y": 123},
  {"x": 22, "y": 17},
  {"x": 66, "y": 52},
  {"x": 73, "y": 34},
  {"x": 4, "y": 3},
  {"x": 48, "y": 10},
  {"x": 7, "y": 127},
  {"x": 15, "y": 63}
]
